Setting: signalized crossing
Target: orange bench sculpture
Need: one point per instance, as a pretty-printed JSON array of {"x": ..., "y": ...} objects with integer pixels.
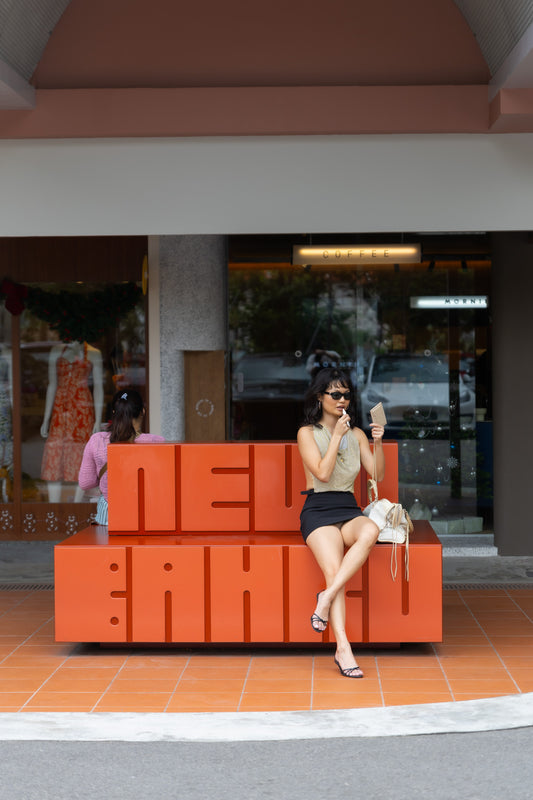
[{"x": 203, "y": 545}]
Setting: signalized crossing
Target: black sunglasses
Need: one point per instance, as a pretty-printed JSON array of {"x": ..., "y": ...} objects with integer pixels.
[{"x": 338, "y": 395}]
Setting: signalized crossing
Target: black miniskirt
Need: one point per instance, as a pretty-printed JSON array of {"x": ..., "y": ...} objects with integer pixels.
[{"x": 327, "y": 508}]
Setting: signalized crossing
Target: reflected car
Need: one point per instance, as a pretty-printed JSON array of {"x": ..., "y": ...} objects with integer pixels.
[
  {"x": 269, "y": 376},
  {"x": 415, "y": 393}
]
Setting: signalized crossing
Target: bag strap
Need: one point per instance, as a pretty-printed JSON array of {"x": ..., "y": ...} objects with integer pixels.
[
  {"x": 394, "y": 556},
  {"x": 102, "y": 472},
  {"x": 372, "y": 490},
  {"x": 372, "y": 484},
  {"x": 397, "y": 511}
]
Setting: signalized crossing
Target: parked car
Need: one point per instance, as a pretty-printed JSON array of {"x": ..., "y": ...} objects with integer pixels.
[
  {"x": 269, "y": 376},
  {"x": 415, "y": 392}
]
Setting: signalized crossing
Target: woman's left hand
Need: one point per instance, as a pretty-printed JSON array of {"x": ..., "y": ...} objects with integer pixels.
[{"x": 378, "y": 431}]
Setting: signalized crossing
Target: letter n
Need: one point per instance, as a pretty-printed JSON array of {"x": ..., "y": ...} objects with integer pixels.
[{"x": 157, "y": 464}]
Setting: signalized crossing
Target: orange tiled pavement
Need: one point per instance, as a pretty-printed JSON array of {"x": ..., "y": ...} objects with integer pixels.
[{"x": 487, "y": 651}]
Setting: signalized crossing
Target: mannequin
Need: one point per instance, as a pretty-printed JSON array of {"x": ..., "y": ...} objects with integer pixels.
[{"x": 71, "y": 412}]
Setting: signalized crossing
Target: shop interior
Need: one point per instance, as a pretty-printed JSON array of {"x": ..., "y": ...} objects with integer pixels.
[{"x": 415, "y": 336}]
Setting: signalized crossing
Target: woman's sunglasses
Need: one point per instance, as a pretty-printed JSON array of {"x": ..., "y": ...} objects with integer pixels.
[{"x": 338, "y": 395}]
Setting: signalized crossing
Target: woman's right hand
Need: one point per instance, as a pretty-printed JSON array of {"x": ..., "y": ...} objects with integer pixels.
[{"x": 342, "y": 425}]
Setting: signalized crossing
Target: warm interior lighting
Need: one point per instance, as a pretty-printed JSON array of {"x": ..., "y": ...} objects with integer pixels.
[
  {"x": 331, "y": 256},
  {"x": 426, "y": 265}
]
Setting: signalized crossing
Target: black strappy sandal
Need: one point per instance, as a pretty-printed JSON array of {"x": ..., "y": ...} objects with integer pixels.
[
  {"x": 349, "y": 672},
  {"x": 316, "y": 620}
]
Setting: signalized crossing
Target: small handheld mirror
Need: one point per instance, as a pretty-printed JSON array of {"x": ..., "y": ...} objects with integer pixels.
[{"x": 378, "y": 415}]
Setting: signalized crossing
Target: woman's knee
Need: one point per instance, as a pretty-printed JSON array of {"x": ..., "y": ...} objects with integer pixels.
[
  {"x": 365, "y": 532},
  {"x": 370, "y": 533}
]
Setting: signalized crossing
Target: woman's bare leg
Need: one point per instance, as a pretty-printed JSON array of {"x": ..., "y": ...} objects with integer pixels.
[
  {"x": 359, "y": 535},
  {"x": 327, "y": 546}
]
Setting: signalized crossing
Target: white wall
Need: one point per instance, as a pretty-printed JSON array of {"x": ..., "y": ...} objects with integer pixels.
[{"x": 266, "y": 185}]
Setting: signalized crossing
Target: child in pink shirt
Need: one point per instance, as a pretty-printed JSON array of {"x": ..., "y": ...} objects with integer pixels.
[{"x": 128, "y": 415}]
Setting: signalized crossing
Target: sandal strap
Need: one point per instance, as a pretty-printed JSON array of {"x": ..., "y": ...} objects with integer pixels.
[{"x": 349, "y": 670}]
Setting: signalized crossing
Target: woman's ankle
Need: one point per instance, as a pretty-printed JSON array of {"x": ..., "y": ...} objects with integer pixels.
[
  {"x": 344, "y": 649},
  {"x": 323, "y": 602}
]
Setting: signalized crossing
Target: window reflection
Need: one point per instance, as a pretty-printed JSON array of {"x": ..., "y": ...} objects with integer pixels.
[
  {"x": 415, "y": 392},
  {"x": 427, "y": 366}
]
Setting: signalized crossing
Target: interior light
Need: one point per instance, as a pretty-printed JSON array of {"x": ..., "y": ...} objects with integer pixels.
[{"x": 331, "y": 256}]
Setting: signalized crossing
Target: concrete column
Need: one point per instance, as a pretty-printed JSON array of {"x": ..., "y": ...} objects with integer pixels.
[
  {"x": 192, "y": 314},
  {"x": 512, "y": 389}
]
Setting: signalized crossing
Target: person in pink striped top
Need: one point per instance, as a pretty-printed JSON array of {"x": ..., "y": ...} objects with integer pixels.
[{"x": 126, "y": 423}]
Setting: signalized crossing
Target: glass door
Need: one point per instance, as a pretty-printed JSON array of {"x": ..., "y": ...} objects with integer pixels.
[{"x": 426, "y": 362}]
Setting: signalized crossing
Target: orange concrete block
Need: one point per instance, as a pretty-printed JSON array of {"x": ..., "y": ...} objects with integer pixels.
[
  {"x": 355, "y": 617},
  {"x": 406, "y": 611},
  {"x": 305, "y": 580},
  {"x": 168, "y": 594},
  {"x": 214, "y": 497},
  {"x": 224, "y": 586},
  {"x": 141, "y": 477},
  {"x": 278, "y": 480},
  {"x": 90, "y": 594},
  {"x": 246, "y": 585},
  {"x": 359, "y": 488}
]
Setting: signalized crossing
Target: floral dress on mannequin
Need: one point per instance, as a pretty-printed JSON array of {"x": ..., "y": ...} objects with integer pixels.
[{"x": 72, "y": 419}]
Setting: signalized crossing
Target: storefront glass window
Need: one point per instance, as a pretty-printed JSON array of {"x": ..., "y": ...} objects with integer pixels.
[
  {"x": 68, "y": 378},
  {"x": 6, "y": 408},
  {"x": 428, "y": 365}
]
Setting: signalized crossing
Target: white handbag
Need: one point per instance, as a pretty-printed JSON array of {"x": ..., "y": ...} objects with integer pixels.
[{"x": 393, "y": 521}]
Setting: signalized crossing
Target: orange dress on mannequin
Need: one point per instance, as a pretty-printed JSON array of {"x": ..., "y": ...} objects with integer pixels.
[{"x": 72, "y": 420}]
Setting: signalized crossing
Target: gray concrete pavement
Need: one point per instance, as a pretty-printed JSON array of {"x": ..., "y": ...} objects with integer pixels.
[
  {"x": 468, "y": 716},
  {"x": 480, "y": 766}
]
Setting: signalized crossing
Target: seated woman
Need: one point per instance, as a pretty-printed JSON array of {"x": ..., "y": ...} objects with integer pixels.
[
  {"x": 333, "y": 525},
  {"x": 128, "y": 415}
]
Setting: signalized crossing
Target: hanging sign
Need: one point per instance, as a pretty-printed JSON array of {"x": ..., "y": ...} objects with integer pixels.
[
  {"x": 348, "y": 255},
  {"x": 451, "y": 301}
]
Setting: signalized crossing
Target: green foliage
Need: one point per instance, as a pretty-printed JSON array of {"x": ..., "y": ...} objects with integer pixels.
[
  {"x": 83, "y": 317},
  {"x": 284, "y": 311}
]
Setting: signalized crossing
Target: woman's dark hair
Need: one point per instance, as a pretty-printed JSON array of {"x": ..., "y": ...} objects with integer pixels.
[
  {"x": 329, "y": 376},
  {"x": 126, "y": 405}
]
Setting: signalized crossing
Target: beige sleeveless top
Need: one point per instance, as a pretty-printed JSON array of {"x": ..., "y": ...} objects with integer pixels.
[{"x": 347, "y": 463}]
